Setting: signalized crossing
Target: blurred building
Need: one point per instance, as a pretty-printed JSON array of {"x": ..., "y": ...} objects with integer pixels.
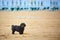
[{"x": 29, "y": 4}]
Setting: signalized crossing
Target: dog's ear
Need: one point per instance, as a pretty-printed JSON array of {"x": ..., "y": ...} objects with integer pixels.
[{"x": 23, "y": 24}]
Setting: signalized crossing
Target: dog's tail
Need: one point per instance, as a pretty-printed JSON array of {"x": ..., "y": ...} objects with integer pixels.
[{"x": 12, "y": 27}]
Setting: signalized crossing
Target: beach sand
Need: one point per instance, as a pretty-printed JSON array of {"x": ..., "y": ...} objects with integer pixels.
[{"x": 40, "y": 25}]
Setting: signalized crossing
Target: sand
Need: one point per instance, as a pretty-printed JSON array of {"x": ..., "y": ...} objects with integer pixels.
[{"x": 40, "y": 25}]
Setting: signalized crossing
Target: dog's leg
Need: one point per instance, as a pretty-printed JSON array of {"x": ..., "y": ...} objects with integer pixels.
[
  {"x": 20, "y": 32},
  {"x": 13, "y": 31}
]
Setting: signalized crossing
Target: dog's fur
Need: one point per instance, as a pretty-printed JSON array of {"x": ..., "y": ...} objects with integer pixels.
[{"x": 19, "y": 29}]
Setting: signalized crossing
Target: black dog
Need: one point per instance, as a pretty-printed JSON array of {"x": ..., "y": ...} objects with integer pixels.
[{"x": 19, "y": 29}]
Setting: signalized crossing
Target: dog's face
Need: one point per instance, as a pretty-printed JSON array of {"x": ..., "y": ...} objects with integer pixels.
[{"x": 22, "y": 24}]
